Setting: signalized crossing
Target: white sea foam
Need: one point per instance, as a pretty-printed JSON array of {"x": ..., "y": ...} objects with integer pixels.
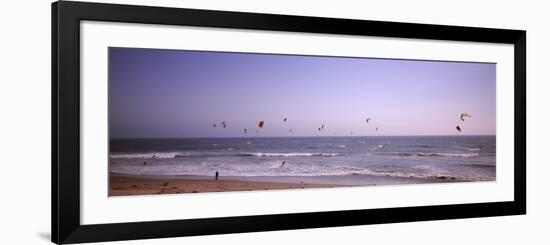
[
  {"x": 310, "y": 157},
  {"x": 167, "y": 155},
  {"x": 295, "y": 154},
  {"x": 161, "y": 155},
  {"x": 275, "y": 168},
  {"x": 434, "y": 154},
  {"x": 467, "y": 148}
]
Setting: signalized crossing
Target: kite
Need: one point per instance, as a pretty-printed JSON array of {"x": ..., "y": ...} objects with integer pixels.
[
  {"x": 245, "y": 131},
  {"x": 463, "y": 115},
  {"x": 368, "y": 119},
  {"x": 261, "y": 124},
  {"x": 224, "y": 124},
  {"x": 284, "y": 120},
  {"x": 458, "y": 128},
  {"x": 214, "y": 125}
]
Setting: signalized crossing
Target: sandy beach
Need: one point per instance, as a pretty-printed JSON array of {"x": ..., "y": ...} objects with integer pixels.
[{"x": 124, "y": 185}]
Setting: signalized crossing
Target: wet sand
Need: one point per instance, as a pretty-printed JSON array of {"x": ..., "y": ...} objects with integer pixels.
[{"x": 125, "y": 185}]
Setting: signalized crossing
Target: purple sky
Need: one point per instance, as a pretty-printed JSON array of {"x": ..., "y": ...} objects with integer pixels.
[{"x": 171, "y": 93}]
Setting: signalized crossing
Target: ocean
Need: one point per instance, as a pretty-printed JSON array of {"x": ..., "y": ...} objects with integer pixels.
[{"x": 423, "y": 158}]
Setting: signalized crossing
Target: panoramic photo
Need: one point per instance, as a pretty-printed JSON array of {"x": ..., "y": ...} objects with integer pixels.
[{"x": 204, "y": 121}]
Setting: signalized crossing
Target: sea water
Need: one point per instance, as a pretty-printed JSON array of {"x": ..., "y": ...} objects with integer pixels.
[{"x": 460, "y": 158}]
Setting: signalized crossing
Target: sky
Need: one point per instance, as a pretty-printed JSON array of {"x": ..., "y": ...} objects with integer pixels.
[{"x": 157, "y": 93}]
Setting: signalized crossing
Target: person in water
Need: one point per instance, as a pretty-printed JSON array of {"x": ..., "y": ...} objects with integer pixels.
[
  {"x": 217, "y": 174},
  {"x": 283, "y": 164}
]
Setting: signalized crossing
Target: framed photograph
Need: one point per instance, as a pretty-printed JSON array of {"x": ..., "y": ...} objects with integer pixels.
[{"x": 176, "y": 122}]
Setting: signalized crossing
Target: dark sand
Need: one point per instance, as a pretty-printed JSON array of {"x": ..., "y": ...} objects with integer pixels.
[{"x": 125, "y": 185}]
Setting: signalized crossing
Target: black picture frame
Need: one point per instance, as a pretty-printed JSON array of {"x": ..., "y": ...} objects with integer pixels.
[{"x": 66, "y": 17}]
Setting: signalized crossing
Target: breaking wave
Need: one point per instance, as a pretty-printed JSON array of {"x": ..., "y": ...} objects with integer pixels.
[
  {"x": 152, "y": 155},
  {"x": 468, "y": 148},
  {"x": 296, "y": 154},
  {"x": 434, "y": 154},
  {"x": 168, "y": 155},
  {"x": 275, "y": 169}
]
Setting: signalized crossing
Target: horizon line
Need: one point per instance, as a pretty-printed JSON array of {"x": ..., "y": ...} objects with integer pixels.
[{"x": 316, "y": 136}]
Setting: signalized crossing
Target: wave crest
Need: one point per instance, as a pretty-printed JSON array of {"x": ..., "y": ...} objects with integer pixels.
[
  {"x": 151, "y": 155},
  {"x": 295, "y": 154},
  {"x": 434, "y": 154}
]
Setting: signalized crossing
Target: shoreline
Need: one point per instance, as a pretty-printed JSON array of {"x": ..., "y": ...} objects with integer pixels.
[
  {"x": 125, "y": 185},
  {"x": 138, "y": 185}
]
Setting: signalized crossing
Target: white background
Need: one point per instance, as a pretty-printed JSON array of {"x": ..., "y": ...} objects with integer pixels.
[
  {"x": 25, "y": 124},
  {"x": 96, "y": 37}
]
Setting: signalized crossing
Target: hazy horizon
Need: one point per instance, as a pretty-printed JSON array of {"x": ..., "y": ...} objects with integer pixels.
[
  {"x": 298, "y": 136},
  {"x": 181, "y": 94}
]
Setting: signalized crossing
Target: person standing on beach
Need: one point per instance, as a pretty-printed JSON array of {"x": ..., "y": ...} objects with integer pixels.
[{"x": 216, "y": 175}]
